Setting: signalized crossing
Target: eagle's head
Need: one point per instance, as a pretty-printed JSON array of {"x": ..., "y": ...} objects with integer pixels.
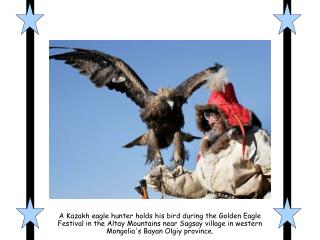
[
  {"x": 160, "y": 106},
  {"x": 166, "y": 92},
  {"x": 166, "y": 97}
]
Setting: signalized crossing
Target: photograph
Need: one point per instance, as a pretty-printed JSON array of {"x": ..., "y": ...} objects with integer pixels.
[{"x": 160, "y": 119}]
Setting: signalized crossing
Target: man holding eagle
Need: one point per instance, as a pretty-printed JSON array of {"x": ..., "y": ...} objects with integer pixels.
[
  {"x": 234, "y": 160},
  {"x": 162, "y": 111}
]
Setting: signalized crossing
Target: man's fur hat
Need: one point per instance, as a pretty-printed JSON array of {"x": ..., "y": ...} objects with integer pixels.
[
  {"x": 202, "y": 123},
  {"x": 223, "y": 100}
]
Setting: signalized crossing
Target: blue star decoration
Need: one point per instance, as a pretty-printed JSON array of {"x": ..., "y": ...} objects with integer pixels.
[
  {"x": 287, "y": 20},
  {"x": 29, "y": 20},
  {"x": 30, "y": 214},
  {"x": 287, "y": 214}
]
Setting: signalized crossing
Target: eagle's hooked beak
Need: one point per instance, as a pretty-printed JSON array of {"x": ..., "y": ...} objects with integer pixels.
[{"x": 171, "y": 103}]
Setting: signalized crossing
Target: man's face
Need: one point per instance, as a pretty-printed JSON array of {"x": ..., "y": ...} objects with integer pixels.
[{"x": 216, "y": 123}]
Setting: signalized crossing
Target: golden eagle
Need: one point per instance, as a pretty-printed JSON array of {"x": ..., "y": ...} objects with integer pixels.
[{"x": 161, "y": 111}]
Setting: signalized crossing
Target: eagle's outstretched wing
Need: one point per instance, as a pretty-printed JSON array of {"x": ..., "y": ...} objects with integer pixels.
[
  {"x": 185, "y": 89},
  {"x": 109, "y": 71}
]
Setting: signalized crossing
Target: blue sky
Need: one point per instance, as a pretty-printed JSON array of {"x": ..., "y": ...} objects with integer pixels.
[{"x": 88, "y": 125}]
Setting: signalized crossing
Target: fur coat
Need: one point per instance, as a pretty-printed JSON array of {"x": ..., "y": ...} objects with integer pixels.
[{"x": 221, "y": 168}]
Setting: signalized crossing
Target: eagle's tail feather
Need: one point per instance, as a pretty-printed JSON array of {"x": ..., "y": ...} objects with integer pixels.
[
  {"x": 142, "y": 140},
  {"x": 187, "y": 137}
]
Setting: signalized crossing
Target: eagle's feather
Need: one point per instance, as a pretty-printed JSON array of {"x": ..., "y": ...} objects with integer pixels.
[
  {"x": 193, "y": 83},
  {"x": 109, "y": 71}
]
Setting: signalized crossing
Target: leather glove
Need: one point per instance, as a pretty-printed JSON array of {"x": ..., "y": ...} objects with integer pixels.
[{"x": 185, "y": 185}]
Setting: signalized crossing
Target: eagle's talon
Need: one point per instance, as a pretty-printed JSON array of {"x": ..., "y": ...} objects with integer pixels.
[
  {"x": 156, "y": 162},
  {"x": 178, "y": 171}
]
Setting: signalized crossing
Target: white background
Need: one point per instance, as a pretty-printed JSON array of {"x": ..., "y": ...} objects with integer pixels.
[{"x": 142, "y": 19}]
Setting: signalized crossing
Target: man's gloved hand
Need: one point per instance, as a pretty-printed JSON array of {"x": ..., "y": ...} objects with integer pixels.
[
  {"x": 185, "y": 185},
  {"x": 155, "y": 177}
]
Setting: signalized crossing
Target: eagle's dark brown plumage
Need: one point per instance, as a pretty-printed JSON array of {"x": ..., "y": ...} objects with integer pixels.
[{"x": 161, "y": 111}]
